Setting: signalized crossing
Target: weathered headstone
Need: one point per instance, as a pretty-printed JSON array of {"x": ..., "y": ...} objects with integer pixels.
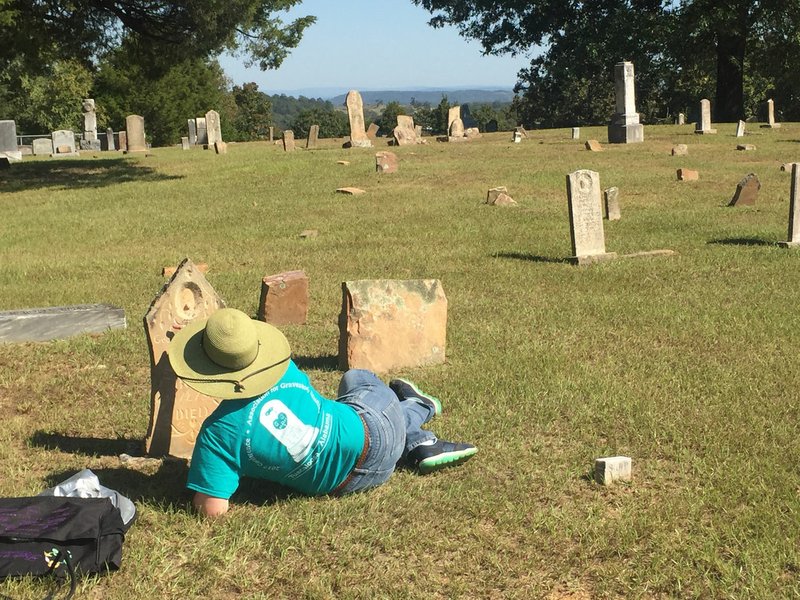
[
  {"x": 456, "y": 131},
  {"x": 405, "y": 133},
  {"x": 681, "y": 119},
  {"x": 576, "y": 133},
  {"x": 746, "y": 191},
  {"x": 688, "y": 175},
  {"x": 192, "y": 125},
  {"x": 521, "y": 130},
  {"x": 418, "y": 131},
  {"x": 202, "y": 131},
  {"x": 612, "y": 469},
  {"x": 176, "y": 410},
  {"x": 90, "y": 140},
  {"x": 42, "y": 146},
  {"x": 794, "y": 210},
  {"x": 704, "y": 125},
  {"x": 498, "y": 196},
  {"x": 740, "y": 129},
  {"x": 213, "y": 128},
  {"x": 355, "y": 113},
  {"x": 453, "y": 113},
  {"x": 372, "y": 131},
  {"x": 64, "y": 142},
  {"x": 59, "y": 322},
  {"x": 625, "y": 127},
  {"x": 134, "y": 125},
  {"x": 586, "y": 218},
  {"x": 122, "y": 136},
  {"x": 185, "y": 145},
  {"x": 611, "y": 201},
  {"x": 391, "y": 324},
  {"x": 472, "y": 133},
  {"x": 517, "y": 137},
  {"x": 313, "y": 136},
  {"x": 680, "y": 150},
  {"x": 771, "y": 114},
  {"x": 271, "y": 134},
  {"x": 284, "y": 299},
  {"x": 8, "y": 141},
  {"x": 288, "y": 140},
  {"x": 109, "y": 144},
  {"x": 593, "y": 146},
  {"x": 386, "y": 162},
  {"x": 220, "y": 147}
]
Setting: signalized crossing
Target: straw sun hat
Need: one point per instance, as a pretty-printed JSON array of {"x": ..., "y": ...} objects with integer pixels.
[{"x": 229, "y": 355}]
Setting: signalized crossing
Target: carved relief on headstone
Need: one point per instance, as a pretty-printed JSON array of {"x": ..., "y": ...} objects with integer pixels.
[
  {"x": 386, "y": 162},
  {"x": 625, "y": 127},
  {"x": 794, "y": 210},
  {"x": 704, "y": 125},
  {"x": 176, "y": 410},
  {"x": 8, "y": 141},
  {"x": 284, "y": 298},
  {"x": 355, "y": 113},
  {"x": 390, "y": 324},
  {"x": 313, "y": 136},
  {"x": 134, "y": 125},
  {"x": 746, "y": 191},
  {"x": 288, "y": 140},
  {"x": 586, "y": 218}
]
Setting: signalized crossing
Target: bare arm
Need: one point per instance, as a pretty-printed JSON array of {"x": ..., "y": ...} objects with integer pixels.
[{"x": 209, "y": 506}]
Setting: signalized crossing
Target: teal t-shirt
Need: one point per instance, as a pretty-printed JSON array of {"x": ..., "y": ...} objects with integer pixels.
[{"x": 291, "y": 435}]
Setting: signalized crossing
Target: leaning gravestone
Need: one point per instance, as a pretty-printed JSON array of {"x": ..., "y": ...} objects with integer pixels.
[
  {"x": 213, "y": 128},
  {"x": 90, "y": 140},
  {"x": 355, "y": 113},
  {"x": 386, "y": 162},
  {"x": 372, "y": 131},
  {"x": 64, "y": 143},
  {"x": 8, "y": 141},
  {"x": 794, "y": 210},
  {"x": 192, "y": 125},
  {"x": 391, "y": 324},
  {"x": 122, "y": 136},
  {"x": 42, "y": 146},
  {"x": 313, "y": 136},
  {"x": 110, "y": 140},
  {"x": 680, "y": 150},
  {"x": 202, "y": 131},
  {"x": 284, "y": 299},
  {"x": 134, "y": 126},
  {"x": 746, "y": 191},
  {"x": 704, "y": 126},
  {"x": 611, "y": 201},
  {"x": 625, "y": 127},
  {"x": 288, "y": 140},
  {"x": 59, "y": 322},
  {"x": 176, "y": 410},
  {"x": 740, "y": 129},
  {"x": 771, "y": 115},
  {"x": 576, "y": 133},
  {"x": 586, "y": 218}
]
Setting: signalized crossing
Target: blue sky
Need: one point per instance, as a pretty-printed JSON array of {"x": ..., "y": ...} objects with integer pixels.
[{"x": 377, "y": 45}]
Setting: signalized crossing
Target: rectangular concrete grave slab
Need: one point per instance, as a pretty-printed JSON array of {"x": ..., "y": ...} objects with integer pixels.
[
  {"x": 288, "y": 140},
  {"x": 355, "y": 114},
  {"x": 392, "y": 324},
  {"x": 42, "y": 147},
  {"x": 612, "y": 469},
  {"x": 59, "y": 322},
  {"x": 586, "y": 218},
  {"x": 176, "y": 410},
  {"x": 794, "y": 210},
  {"x": 746, "y": 191},
  {"x": 284, "y": 299},
  {"x": 134, "y": 126},
  {"x": 611, "y": 202}
]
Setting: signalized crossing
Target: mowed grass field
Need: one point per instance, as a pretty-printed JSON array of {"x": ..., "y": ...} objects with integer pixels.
[{"x": 687, "y": 364}]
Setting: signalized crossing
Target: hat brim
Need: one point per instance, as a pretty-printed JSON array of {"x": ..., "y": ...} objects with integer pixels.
[{"x": 191, "y": 363}]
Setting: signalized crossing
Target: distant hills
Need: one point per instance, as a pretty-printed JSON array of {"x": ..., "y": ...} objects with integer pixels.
[{"x": 475, "y": 96}]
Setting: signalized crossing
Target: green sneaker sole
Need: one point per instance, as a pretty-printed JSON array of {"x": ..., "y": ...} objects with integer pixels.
[
  {"x": 437, "y": 404},
  {"x": 446, "y": 459}
]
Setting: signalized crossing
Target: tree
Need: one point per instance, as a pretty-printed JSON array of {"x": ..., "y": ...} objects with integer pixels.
[
  {"x": 388, "y": 119},
  {"x": 332, "y": 123},
  {"x": 253, "y": 113}
]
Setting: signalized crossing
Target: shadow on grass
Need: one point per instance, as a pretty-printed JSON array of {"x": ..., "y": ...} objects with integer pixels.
[
  {"x": 77, "y": 174},
  {"x": 86, "y": 446},
  {"x": 530, "y": 257},
  {"x": 329, "y": 362},
  {"x": 742, "y": 242}
]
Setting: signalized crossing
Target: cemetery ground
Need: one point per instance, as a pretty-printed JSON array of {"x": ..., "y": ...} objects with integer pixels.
[{"x": 688, "y": 364}]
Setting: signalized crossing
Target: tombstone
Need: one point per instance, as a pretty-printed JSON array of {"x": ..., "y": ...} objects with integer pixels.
[
  {"x": 456, "y": 130},
  {"x": 680, "y": 150},
  {"x": 176, "y": 410},
  {"x": 372, "y": 131},
  {"x": 771, "y": 115},
  {"x": 110, "y": 147},
  {"x": 517, "y": 137},
  {"x": 59, "y": 322},
  {"x": 681, "y": 119},
  {"x": 746, "y": 191},
  {"x": 704, "y": 126},
  {"x": 521, "y": 130},
  {"x": 134, "y": 126},
  {"x": 586, "y": 218},
  {"x": 472, "y": 133},
  {"x": 576, "y": 133},
  {"x": 453, "y": 113},
  {"x": 90, "y": 140},
  {"x": 220, "y": 147},
  {"x": 611, "y": 202},
  {"x": 192, "y": 125},
  {"x": 8, "y": 141},
  {"x": 25, "y": 149},
  {"x": 612, "y": 469},
  {"x": 355, "y": 113},
  {"x": 64, "y": 142},
  {"x": 284, "y": 299},
  {"x": 418, "y": 131},
  {"x": 740, "y": 129},
  {"x": 593, "y": 146},
  {"x": 387, "y": 325},
  {"x": 745, "y": 147},
  {"x": 405, "y": 134},
  {"x": 625, "y": 127},
  {"x": 42, "y": 147},
  {"x": 386, "y": 162},
  {"x": 794, "y": 210},
  {"x": 271, "y": 134},
  {"x": 213, "y": 128},
  {"x": 185, "y": 145},
  {"x": 122, "y": 136},
  {"x": 288, "y": 140},
  {"x": 202, "y": 131},
  {"x": 688, "y": 175},
  {"x": 313, "y": 136},
  {"x": 498, "y": 196}
]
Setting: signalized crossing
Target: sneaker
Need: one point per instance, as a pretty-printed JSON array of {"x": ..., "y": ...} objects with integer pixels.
[
  {"x": 440, "y": 455},
  {"x": 406, "y": 389}
]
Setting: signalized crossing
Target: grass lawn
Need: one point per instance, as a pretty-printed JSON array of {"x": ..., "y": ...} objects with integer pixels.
[{"x": 688, "y": 364}]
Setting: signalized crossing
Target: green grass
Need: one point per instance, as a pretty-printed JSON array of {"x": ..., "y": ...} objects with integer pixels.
[{"x": 687, "y": 364}]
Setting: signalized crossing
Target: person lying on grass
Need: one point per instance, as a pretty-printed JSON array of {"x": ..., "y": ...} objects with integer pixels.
[{"x": 273, "y": 425}]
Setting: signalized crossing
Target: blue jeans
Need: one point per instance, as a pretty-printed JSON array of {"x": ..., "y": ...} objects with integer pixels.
[{"x": 394, "y": 426}]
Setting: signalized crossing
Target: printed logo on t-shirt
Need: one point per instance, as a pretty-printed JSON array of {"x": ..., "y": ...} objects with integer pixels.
[{"x": 297, "y": 437}]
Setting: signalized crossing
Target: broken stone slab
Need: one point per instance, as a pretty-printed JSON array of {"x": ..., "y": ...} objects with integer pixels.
[
  {"x": 688, "y": 175},
  {"x": 284, "y": 299},
  {"x": 220, "y": 147},
  {"x": 170, "y": 271},
  {"x": 613, "y": 469},
  {"x": 389, "y": 324},
  {"x": 343, "y": 162},
  {"x": 176, "y": 410},
  {"x": 680, "y": 150},
  {"x": 350, "y": 191},
  {"x": 594, "y": 146},
  {"x": 494, "y": 192},
  {"x": 746, "y": 191},
  {"x": 59, "y": 322},
  {"x": 504, "y": 200},
  {"x": 309, "y": 233},
  {"x": 611, "y": 202},
  {"x": 745, "y": 147},
  {"x": 372, "y": 131},
  {"x": 386, "y": 162}
]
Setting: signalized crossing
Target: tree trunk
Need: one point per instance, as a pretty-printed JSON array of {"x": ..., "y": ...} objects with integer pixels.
[{"x": 731, "y": 43}]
